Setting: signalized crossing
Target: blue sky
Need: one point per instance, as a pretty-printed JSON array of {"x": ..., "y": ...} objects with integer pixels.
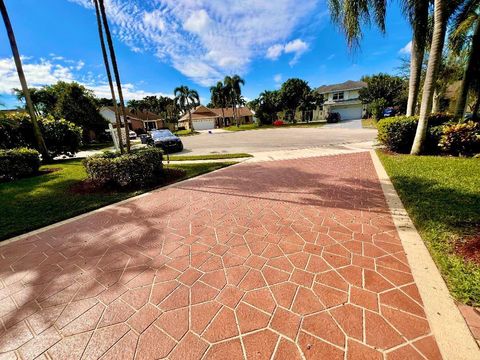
[{"x": 162, "y": 44}]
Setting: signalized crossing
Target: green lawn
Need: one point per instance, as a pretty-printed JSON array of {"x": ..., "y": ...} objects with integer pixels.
[
  {"x": 208, "y": 157},
  {"x": 31, "y": 203},
  {"x": 261, "y": 127},
  {"x": 442, "y": 196},
  {"x": 369, "y": 123},
  {"x": 186, "y": 133}
]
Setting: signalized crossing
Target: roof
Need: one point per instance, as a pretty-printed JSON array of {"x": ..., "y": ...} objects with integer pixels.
[
  {"x": 200, "y": 112},
  {"x": 140, "y": 115},
  {"x": 347, "y": 85},
  {"x": 241, "y": 111}
]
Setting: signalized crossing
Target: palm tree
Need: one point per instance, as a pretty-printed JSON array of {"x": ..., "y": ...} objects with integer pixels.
[
  {"x": 443, "y": 9},
  {"x": 109, "y": 77},
  {"x": 21, "y": 75},
  {"x": 218, "y": 94},
  {"x": 466, "y": 22},
  {"x": 233, "y": 85},
  {"x": 418, "y": 14},
  {"x": 186, "y": 99},
  {"x": 115, "y": 71}
]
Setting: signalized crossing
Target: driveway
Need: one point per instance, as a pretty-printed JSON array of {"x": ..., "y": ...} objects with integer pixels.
[
  {"x": 285, "y": 259},
  {"x": 253, "y": 141}
]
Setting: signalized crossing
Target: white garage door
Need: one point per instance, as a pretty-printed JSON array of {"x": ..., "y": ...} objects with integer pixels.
[
  {"x": 349, "y": 113},
  {"x": 206, "y": 124}
]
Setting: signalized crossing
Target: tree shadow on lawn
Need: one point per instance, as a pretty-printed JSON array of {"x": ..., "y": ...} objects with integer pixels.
[{"x": 101, "y": 259}]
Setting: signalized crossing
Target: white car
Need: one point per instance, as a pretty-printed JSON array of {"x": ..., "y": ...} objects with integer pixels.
[{"x": 132, "y": 135}]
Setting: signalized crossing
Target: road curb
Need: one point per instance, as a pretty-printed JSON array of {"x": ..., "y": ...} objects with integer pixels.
[{"x": 448, "y": 325}]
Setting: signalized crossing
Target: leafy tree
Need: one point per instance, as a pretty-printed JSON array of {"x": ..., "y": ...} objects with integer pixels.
[
  {"x": 233, "y": 88},
  {"x": 309, "y": 102},
  {"x": 383, "y": 86},
  {"x": 267, "y": 105},
  {"x": 186, "y": 99},
  {"x": 21, "y": 75},
  {"x": 219, "y": 98},
  {"x": 293, "y": 91}
]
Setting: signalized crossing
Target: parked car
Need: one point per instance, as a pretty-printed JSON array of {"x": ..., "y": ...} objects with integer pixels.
[
  {"x": 165, "y": 140},
  {"x": 132, "y": 135},
  {"x": 389, "y": 112}
]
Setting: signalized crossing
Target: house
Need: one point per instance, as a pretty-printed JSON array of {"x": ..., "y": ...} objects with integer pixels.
[
  {"x": 341, "y": 98},
  {"x": 204, "y": 118},
  {"x": 138, "y": 121}
]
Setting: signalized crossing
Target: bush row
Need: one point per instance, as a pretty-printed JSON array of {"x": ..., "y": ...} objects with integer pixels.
[
  {"x": 443, "y": 135},
  {"x": 61, "y": 137},
  {"x": 18, "y": 163},
  {"x": 137, "y": 169}
]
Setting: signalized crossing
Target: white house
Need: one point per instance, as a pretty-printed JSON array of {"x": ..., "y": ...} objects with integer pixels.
[
  {"x": 144, "y": 120},
  {"x": 341, "y": 98}
]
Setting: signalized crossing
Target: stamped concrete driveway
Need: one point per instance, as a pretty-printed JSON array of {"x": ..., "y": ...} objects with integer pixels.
[
  {"x": 284, "y": 259},
  {"x": 278, "y": 139}
]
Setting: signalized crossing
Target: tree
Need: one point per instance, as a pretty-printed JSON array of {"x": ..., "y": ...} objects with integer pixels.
[
  {"x": 21, "y": 75},
  {"x": 186, "y": 99},
  {"x": 113, "y": 58},
  {"x": 233, "y": 88},
  {"x": 266, "y": 106},
  {"x": 466, "y": 36},
  {"x": 383, "y": 86},
  {"x": 292, "y": 92},
  {"x": 219, "y": 98},
  {"x": 310, "y": 101},
  {"x": 109, "y": 77},
  {"x": 442, "y": 10}
]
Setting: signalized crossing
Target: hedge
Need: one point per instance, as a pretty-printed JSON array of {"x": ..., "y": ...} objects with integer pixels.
[
  {"x": 18, "y": 163},
  {"x": 135, "y": 170},
  {"x": 61, "y": 137},
  {"x": 461, "y": 139}
]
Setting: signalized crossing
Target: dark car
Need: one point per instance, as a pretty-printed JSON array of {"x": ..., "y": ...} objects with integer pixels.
[
  {"x": 389, "y": 112},
  {"x": 165, "y": 140}
]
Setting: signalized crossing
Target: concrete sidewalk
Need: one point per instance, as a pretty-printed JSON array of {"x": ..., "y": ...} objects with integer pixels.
[{"x": 282, "y": 259}]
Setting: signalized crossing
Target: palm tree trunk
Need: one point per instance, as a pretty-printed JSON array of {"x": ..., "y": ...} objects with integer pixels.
[
  {"x": 21, "y": 76},
  {"x": 469, "y": 73},
  {"x": 476, "y": 108},
  {"x": 435, "y": 57},
  {"x": 436, "y": 102},
  {"x": 109, "y": 77},
  {"x": 190, "y": 121},
  {"x": 416, "y": 61},
  {"x": 223, "y": 117},
  {"x": 115, "y": 71}
]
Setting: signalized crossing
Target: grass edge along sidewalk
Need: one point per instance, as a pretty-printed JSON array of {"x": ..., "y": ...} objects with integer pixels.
[
  {"x": 442, "y": 197},
  {"x": 35, "y": 202}
]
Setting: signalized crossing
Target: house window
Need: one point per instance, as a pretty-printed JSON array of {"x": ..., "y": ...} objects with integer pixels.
[
  {"x": 338, "y": 96},
  {"x": 150, "y": 125}
]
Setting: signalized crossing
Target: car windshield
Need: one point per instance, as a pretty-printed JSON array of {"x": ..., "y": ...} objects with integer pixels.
[{"x": 161, "y": 134}]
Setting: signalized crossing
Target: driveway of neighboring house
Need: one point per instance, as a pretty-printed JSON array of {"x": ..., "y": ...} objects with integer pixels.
[{"x": 285, "y": 259}]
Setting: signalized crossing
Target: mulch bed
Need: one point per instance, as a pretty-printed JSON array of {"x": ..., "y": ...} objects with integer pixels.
[{"x": 469, "y": 248}]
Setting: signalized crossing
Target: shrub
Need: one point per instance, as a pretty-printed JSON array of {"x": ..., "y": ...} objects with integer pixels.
[
  {"x": 377, "y": 107},
  {"x": 61, "y": 137},
  {"x": 18, "y": 163},
  {"x": 438, "y": 119},
  {"x": 134, "y": 170},
  {"x": 461, "y": 139},
  {"x": 333, "y": 117},
  {"x": 278, "y": 123},
  {"x": 397, "y": 133}
]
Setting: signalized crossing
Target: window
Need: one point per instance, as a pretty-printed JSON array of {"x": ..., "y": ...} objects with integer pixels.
[
  {"x": 150, "y": 125},
  {"x": 338, "y": 96}
]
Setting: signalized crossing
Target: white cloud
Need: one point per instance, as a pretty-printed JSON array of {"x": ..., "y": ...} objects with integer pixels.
[
  {"x": 207, "y": 39},
  {"x": 277, "y": 78},
  {"x": 49, "y": 71},
  {"x": 296, "y": 47},
  {"x": 407, "y": 49}
]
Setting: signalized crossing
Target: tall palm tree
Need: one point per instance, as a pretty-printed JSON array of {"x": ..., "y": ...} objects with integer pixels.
[
  {"x": 218, "y": 94},
  {"x": 21, "y": 75},
  {"x": 115, "y": 70},
  {"x": 417, "y": 11},
  {"x": 233, "y": 85},
  {"x": 109, "y": 77},
  {"x": 186, "y": 99},
  {"x": 443, "y": 9},
  {"x": 466, "y": 22}
]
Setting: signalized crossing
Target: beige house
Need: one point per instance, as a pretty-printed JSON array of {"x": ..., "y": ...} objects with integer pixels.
[
  {"x": 143, "y": 121},
  {"x": 341, "y": 98},
  {"x": 204, "y": 118}
]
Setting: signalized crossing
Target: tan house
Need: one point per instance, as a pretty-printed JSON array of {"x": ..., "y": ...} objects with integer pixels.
[
  {"x": 138, "y": 121},
  {"x": 204, "y": 118},
  {"x": 341, "y": 98}
]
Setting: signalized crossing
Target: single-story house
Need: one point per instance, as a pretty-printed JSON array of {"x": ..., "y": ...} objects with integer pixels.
[
  {"x": 204, "y": 118},
  {"x": 341, "y": 98},
  {"x": 137, "y": 120}
]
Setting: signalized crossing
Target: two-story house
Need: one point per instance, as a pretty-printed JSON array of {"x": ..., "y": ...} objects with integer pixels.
[{"x": 341, "y": 98}]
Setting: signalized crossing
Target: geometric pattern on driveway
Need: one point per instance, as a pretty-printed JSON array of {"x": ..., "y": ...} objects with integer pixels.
[{"x": 285, "y": 259}]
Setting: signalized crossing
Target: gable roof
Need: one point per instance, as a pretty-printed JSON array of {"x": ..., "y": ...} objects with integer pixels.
[
  {"x": 140, "y": 115},
  {"x": 241, "y": 111},
  {"x": 347, "y": 85},
  {"x": 200, "y": 112}
]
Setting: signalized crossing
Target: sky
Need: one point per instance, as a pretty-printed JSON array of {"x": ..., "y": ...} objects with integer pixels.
[{"x": 162, "y": 44}]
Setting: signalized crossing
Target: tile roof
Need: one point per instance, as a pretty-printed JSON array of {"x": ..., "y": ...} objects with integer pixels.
[{"x": 347, "y": 85}]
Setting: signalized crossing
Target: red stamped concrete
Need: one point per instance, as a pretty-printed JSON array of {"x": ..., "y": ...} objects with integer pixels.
[{"x": 277, "y": 260}]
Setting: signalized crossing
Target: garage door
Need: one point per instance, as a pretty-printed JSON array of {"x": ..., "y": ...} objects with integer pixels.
[
  {"x": 349, "y": 113},
  {"x": 204, "y": 124}
]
